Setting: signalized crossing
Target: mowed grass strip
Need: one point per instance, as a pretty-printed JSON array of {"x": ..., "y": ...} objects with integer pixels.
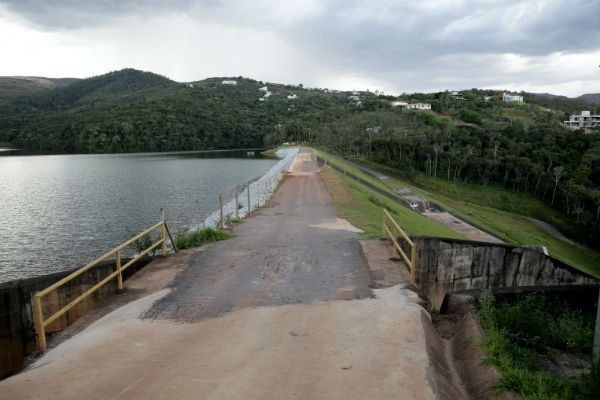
[
  {"x": 363, "y": 208},
  {"x": 332, "y": 160}
]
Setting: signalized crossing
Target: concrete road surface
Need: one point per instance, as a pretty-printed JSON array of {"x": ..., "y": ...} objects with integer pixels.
[{"x": 281, "y": 311}]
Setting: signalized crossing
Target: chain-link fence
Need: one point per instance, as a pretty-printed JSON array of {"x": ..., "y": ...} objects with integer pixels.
[{"x": 243, "y": 200}]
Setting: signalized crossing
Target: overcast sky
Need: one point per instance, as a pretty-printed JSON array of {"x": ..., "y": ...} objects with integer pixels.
[{"x": 395, "y": 46}]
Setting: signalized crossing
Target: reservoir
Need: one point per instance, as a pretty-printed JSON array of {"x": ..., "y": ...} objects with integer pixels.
[{"x": 61, "y": 211}]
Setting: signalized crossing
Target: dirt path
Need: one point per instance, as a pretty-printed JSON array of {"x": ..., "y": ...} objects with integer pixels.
[
  {"x": 283, "y": 310},
  {"x": 460, "y": 226}
]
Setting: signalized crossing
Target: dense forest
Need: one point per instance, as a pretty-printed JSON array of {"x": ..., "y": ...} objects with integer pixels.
[{"x": 471, "y": 136}]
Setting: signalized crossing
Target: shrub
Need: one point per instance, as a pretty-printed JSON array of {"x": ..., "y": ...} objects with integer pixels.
[
  {"x": 534, "y": 319},
  {"x": 186, "y": 239},
  {"x": 144, "y": 242}
]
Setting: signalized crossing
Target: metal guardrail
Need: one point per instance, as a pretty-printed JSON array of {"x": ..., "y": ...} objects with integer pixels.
[
  {"x": 41, "y": 323},
  {"x": 393, "y": 231}
]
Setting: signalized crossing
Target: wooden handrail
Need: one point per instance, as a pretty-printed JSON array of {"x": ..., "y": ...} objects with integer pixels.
[
  {"x": 396, "y": 248},
  {"x": 41, "y": 323}
]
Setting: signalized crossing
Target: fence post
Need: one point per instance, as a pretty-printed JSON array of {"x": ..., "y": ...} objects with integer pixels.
[
  {"x": 248, "y": 198},
  {"x": 394, "y": 241},
  {"x": 163, "y": 235},
  {"x": 237, "y": 204},
  {"x": 596, "y": 351},
  {"x": 221, "y": 208},
  {"x": 118, "y": 264},
  {"x": 413, "y": 260},
  {"x": 39, "y": 322}
]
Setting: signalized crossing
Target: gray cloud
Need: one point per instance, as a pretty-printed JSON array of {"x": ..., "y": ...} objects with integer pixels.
[{"x": 413, "y": 44}]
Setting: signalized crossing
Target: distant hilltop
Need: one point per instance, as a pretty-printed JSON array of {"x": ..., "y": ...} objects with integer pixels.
[{"x": 14, "y": 86}]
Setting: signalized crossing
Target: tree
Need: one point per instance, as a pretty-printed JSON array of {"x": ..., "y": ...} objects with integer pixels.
[{"x": 557, "y": 173}]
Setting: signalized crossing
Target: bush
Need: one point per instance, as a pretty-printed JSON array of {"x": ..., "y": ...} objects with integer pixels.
[
  {"x": 469, "y": 116},
  {"x": 534, "y": 319},
  {"x": 144, "y": 242},
  {"x": 186, "y": 239}
]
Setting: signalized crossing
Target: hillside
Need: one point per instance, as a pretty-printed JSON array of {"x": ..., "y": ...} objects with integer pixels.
[
  {"x": 15, "y": 86},
  {"x": 592, "y": 98},
  {"x": 129, "y": 110}
]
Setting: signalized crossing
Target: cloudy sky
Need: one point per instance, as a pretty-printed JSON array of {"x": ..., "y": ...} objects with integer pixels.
[{"x": 395, "y": 46}]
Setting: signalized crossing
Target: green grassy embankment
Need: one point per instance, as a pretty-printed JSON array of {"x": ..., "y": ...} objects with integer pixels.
[
  {"x": 363, "y": 208},
  {"x": 502, "y": 213}
]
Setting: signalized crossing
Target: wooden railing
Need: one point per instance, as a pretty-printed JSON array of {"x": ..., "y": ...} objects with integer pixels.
[
  {"x": 391, "y": 229},
  {"x": 41, "y": 323}
]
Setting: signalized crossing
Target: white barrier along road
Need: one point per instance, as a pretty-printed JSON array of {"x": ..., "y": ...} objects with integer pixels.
[{"x": 261, "y": 191}]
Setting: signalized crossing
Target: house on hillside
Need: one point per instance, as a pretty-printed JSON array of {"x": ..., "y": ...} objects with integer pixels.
[
  {"x": 419, "y": 106},
  {"x": 457, "y": 95},
  {"x": 512, "y": 97},
  {"x": 263, "y": 89},
  {"x": 586, "y": 121},
  {"x": 398, "y": 104},
  {"x": 229, "y": 82},
  {"x": 292, "y": 97}
]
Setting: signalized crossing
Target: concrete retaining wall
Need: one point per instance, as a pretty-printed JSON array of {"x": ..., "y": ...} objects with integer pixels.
[
  {"x": 448, "y": 266},
  {"x": 17, "y": 331}
]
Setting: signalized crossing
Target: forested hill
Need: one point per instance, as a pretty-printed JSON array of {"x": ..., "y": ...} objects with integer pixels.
[
  {"x": 470, "y": 136},
  {"x": 129, "y": 110}
]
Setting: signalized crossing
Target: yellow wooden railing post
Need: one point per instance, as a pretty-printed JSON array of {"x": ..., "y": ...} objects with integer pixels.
[
  {"x": 118, "y": 265},
  {"x": 394, "y": 234},
  {"x": 394, "y": 249},
  {"x": 41, "y": 323},
  {"x": 163, "y": 238},
  {"x": 38, "y": 320}
]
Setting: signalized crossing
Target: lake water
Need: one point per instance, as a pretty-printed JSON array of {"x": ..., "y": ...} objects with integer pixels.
[{"x": 61, "y": 211}]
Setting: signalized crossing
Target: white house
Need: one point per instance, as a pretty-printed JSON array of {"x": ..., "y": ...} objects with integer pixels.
[
  {"x": 267, "y": 94},
  {"x": 457, "y": 95},
  {"x": 400, "y": 104},
  {"x": 292, "y": 97},
  {"x": 263, "y": 89},
  {"x": 419, "y": 106},
  {"x": 229, "y": 82},
  {"x": 354, "y": 98},
  {"x": 512, "y": 97},
  {"x": 585, "y": 121}
]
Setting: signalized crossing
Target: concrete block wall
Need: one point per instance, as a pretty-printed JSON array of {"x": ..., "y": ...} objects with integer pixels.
[{"x": 448, "y": 266}]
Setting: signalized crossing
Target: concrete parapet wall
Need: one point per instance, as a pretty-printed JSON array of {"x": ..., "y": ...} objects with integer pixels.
[
  {"x": 17, "y": 331},
  {"x": 448, "y": 266}
]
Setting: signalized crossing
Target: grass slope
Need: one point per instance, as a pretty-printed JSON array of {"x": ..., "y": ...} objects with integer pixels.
[
  {"x": 502, "y": 213},
  {"x": 363, "y": 208}
]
